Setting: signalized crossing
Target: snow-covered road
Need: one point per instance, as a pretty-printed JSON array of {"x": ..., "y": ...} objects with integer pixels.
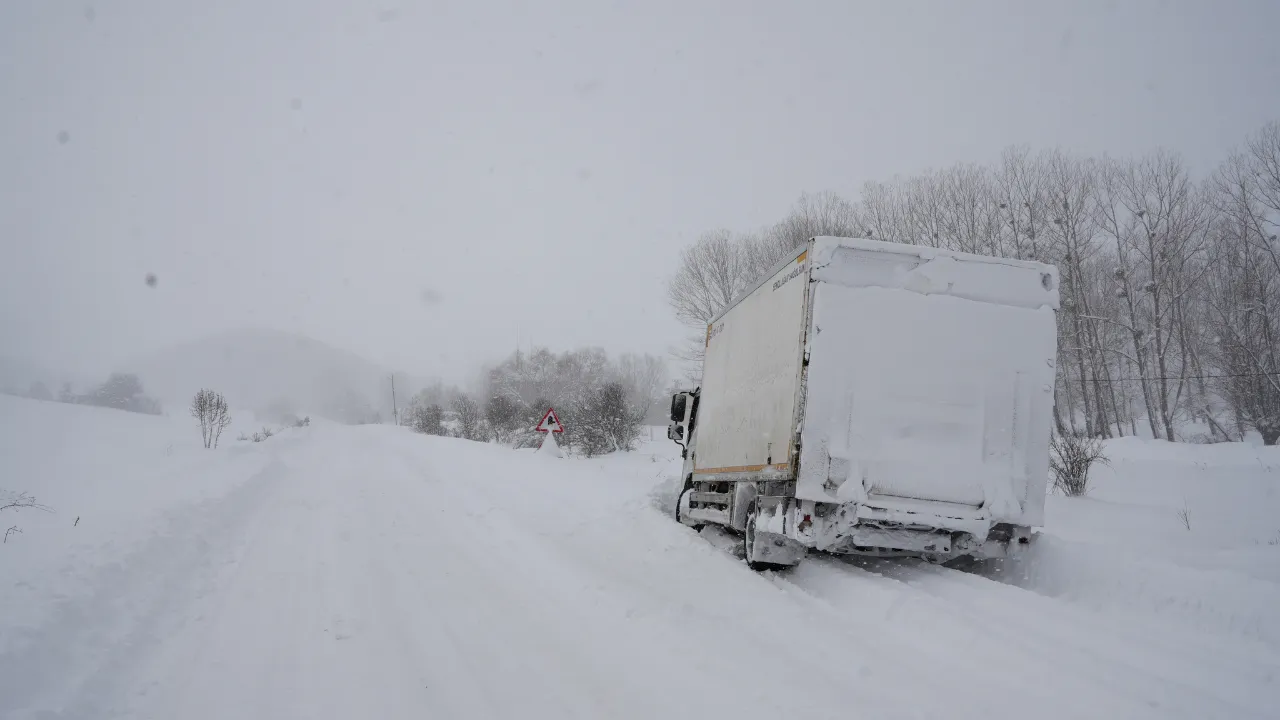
[{"x": 371, "y": 573}]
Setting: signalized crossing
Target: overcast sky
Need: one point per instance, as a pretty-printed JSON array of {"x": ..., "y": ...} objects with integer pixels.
[{"x": 418, "y": 182}]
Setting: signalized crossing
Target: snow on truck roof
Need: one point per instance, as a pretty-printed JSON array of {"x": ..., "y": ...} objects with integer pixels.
[
  {"x": 924, "y": 252},
  {"x": 956, "y": 269},
  {"x": 983, "y": 278}
]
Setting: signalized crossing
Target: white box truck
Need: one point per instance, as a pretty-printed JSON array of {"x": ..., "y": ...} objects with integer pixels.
[{"x": 875, "y": 398}]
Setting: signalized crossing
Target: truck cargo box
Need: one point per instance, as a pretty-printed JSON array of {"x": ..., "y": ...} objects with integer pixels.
[{"x": 910, "y": 386}]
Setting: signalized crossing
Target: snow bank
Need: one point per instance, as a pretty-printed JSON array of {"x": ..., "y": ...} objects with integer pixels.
[
  {"x": 113, "y": 480},
  {"x": 1124, "y": 549},
  {"x": 1230, "y": 493}
]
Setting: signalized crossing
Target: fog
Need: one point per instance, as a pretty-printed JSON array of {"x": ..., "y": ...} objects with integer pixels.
[{"x": 425, "y": 185}]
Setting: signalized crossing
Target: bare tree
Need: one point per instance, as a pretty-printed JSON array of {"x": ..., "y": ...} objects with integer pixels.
[
  {"x": 969, "y": 215},
  {"x": 711, "y": 274},
  {"x": 1264, "y": 160},
  {"x": 1157, "y": 219},
  {"x": 1019, "y": 192},
  {"x": 817, "y": 215},
  {"x": 211, "y": 410},
  {"x": 221, "y": 417},
  {"x": 1071, "y": 457},
  {"x": 1244, "y": 294},
  {"x": 882, "y": 213},
  {"x": 1170, "y": 288},
  {"x": 720, "y": 265},
  {"x": 1067, "y": 236},
  {"x": 202, "y": 410}
]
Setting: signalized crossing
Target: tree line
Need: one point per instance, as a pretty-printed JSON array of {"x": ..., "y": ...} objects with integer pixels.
[
  {"x": 601, "y": 401},
  {"x": 120, "y": 391},
  {"x": 1170, "y": 285}
]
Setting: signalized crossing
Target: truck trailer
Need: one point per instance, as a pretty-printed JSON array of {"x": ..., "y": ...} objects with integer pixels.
[{"x": 875, "y": 398}]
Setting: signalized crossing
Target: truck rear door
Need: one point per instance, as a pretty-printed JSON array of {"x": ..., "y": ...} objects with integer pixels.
[{"x": 929, "y": 379}]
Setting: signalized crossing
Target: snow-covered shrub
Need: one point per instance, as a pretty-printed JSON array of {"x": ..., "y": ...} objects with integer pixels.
[
  {"x": 427, "y": 419},
  {"x": 1071, "y": 455},
  {"x": 505, "y": 416},
  {"x": 607, "y": 422},
  {"x": 470, "y": 420}
]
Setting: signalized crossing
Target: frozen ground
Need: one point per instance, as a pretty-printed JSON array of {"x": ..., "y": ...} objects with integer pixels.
[{"x": 338, "y": 572}]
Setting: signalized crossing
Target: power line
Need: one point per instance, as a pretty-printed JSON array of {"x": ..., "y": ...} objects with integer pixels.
[{"x": 1188, "y": 377}]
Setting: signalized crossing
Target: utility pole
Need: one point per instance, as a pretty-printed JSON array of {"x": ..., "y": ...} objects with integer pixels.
[{"x": 395, "y": 413}]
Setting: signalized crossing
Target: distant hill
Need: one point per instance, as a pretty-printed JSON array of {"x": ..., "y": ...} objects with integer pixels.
[
  {"x": 272, "y": 373},
  {"x": 18, "y": 376}
]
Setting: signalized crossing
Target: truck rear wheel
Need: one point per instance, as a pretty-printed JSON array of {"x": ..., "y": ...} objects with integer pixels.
[{"x": 749, "y": 540}]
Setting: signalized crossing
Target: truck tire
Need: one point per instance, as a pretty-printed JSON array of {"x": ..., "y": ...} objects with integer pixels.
[
  {"x": 682, "y": 507},
  {"x": 749, "y": 539},
  {"x": 744, "y": 496}
]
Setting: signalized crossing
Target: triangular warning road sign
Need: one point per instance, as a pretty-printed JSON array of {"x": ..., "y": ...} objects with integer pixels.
[{"x": 550, "y": 423}]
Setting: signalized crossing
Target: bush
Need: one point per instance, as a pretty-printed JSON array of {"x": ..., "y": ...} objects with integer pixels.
[
  {"x": 504, "y": 416},
  {"x": 121, "y": 391},
  {"x": 1070, "y": 458},
  {"x": 607, "y": 422},
  {"x": 427, "y": 419},
  {"x": 210, "y": 409},
  {"x": 470, "y": 421}
]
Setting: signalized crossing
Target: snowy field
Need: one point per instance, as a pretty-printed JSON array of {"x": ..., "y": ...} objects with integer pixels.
[{"x": 367, "y": 572}]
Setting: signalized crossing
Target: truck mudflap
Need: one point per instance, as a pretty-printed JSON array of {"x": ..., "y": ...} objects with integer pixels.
[
  {"x": 770, "y": 548},
  {"x": 767, "y": 542}
]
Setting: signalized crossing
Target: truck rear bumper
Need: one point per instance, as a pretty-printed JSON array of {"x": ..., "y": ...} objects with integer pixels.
[{"x": 899, "y": 526}]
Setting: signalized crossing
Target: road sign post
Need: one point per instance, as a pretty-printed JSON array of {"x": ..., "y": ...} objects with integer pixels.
[{"x": 549, "y": 425}]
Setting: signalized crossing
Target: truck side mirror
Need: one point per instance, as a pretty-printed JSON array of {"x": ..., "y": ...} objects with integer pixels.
[{"x": 677, "y": 407}]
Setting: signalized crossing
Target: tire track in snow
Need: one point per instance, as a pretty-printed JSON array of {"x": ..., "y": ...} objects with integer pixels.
[
  {"x": 763, "y": 619},
  {"x": 1089, "y": 654},
  {"x": 677, "y": 631},
  {"x": 92, "y": 638},
  {"x": 1065, "y": 644}
]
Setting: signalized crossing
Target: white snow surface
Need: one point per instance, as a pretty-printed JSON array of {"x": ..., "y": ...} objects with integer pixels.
[{"x": 339, "y": 572}]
